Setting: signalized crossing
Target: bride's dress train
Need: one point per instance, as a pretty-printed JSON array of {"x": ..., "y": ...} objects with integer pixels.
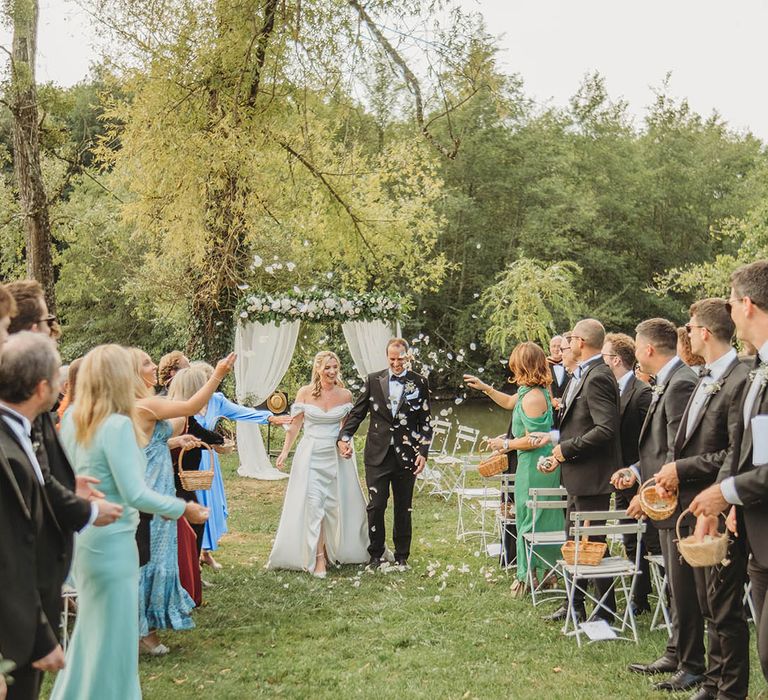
[{"x": 323, "y": 489}]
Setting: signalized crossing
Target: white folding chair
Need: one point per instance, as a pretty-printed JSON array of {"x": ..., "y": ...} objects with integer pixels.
[
  {"x": 622, "y": 572},
  {"x": 431, "y": 475},
  {"x": 69, "y": 596},
  {"x": 506, "y": 523},
  {"x": 749, "y": 604},
  {"x": 476, "y": 503},
  {"x": 543, "y": 499},
  {"x": 661, "y": 619},
  {"x": 453, "y": 466}
]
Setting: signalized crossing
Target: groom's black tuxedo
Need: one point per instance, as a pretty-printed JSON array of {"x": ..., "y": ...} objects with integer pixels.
[
  {"x": 391, "y": 447},
  {"x": 410, "y": 427}
]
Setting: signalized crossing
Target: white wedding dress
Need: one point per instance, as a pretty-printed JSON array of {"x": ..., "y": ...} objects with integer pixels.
[{"x": 323, "y": 488}]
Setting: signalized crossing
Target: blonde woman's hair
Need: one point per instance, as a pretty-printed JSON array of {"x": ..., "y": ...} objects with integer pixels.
[
  {"x": 203, "y": 366},
  {"x": 186, "y": 383},
  {"x": 140, "y": 389},
  {"x": 105, "y": 385},
  {"x": 317, "y": 365}
]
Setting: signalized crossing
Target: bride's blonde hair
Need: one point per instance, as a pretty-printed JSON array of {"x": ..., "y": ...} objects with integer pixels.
[
  {"x": 317, "y": 367},
  {"x": 105, "y": 385}
]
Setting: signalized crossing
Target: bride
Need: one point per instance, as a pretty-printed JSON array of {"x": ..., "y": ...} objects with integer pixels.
[{"x": 323, "y": 518}]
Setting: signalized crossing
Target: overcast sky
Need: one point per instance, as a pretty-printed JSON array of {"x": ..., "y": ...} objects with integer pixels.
[{"x": 716, "y": 50}]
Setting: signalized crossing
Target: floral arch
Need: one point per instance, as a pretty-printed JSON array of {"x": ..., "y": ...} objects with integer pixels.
[{"x": 265, "y": 340}]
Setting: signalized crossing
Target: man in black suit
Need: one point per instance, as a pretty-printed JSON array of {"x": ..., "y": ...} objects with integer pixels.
[
  {"x": 556, "y": 368},
  {"x": 655, "y": 349},
  {"x": 743, "y": 478},
  {"x": 37, "y": 521},
  {"x": 67, "y": 494},
  {"x": 587, "y": 444},
  {"x": 396, "y": 446},
  {"x": 634, "y": 400},
  {"x": 700, "y": 447}
]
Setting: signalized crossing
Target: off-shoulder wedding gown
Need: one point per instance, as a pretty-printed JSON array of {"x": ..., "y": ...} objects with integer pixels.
[{"x": 323, "y": 488}]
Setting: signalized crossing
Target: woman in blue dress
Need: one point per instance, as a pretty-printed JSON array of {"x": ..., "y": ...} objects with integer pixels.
[
  {"x": 220, "y": 407},
  {"x": 99, "y": 435},
  {"x": 163, "y": 602}
]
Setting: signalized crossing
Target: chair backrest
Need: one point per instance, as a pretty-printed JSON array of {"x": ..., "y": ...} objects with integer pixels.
[
  {"x": 440, "y": 430},
  {"x": 546, "y": 499},
  {"x": 582, "y": 527},
  {"x": 466, "y": 438}
]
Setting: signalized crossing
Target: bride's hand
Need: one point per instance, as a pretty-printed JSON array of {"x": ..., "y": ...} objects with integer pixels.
[
  {"x": 280, "y": 420},
  {"x": 280, "y": 463}
]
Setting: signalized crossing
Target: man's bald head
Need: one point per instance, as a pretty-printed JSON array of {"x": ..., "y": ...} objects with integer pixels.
[{"x": 591, "y": 332}]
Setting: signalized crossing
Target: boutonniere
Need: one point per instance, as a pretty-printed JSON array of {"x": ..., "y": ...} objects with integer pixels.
[
  {"x": 712, "y": 389},
  {"x": 762, "y": 372},
  {"x": 410, "y": 387},
  {"x": 657, "y": 390},
  {"x": 35, "y": 446}
]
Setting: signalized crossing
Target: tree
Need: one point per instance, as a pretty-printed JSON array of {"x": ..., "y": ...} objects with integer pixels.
[
  {"x": 21, "y": 100},
  {"x": 527, "y": 301}
]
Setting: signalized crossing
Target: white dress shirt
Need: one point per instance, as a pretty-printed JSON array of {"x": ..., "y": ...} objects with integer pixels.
[
  {"x": 727, "y": 486},
  {"x": 624, "y": 381},
  {"x": 22, "y": 428},
  {"x": 716, "y": 369}
]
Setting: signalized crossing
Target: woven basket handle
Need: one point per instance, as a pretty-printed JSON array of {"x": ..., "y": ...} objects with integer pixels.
[
  {"x": 680, "y": 519},
  {"x": 184, "y": 450}
]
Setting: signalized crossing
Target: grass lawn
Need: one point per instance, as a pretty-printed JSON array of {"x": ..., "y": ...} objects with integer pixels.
[{"x": 437, "y": 631}]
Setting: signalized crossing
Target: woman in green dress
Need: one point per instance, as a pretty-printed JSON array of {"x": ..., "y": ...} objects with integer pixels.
[
  {"x": 531, "y": 412},
  {"x": 100, "y": 437}
]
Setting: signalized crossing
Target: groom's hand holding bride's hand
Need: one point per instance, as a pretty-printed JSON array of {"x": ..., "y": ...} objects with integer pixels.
[
  {"x": 280, "y": 420},
  {"x": 345, "y": 448},
  {"x": 419, "y": 463}
]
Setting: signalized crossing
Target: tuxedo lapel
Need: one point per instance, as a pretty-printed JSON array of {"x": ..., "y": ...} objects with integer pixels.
[
  {"x": 5, "y": 468},
  {"x": 629, "y": 390},
  {"x": 745, "y": 452},
  {"x": 408, "y": 377},
  {"x": 578, "y": 388},
  {"x": 683, "y": 435}
]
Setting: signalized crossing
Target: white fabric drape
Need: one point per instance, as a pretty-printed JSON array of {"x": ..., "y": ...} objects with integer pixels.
[
  {"x": 264, "y": 352},
  {"x": 367, "y": 341}
]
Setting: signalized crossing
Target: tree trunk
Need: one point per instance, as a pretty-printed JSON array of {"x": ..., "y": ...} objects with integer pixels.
[{"x": 26, "y": 148}]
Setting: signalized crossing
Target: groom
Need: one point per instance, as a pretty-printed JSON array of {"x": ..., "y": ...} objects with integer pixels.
[{"x": 396, "y": 447}]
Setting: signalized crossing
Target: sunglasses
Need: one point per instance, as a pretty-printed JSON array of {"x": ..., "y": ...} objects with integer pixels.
[
  {"x": 50, "y": 319},
  {"x": 688, "y": 327}
]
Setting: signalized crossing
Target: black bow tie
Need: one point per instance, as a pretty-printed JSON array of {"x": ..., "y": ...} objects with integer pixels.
[
  {"x": 652, "y": 380},
  {"x": 704, "y": 372},
  {"x": 395, "y": 378}
]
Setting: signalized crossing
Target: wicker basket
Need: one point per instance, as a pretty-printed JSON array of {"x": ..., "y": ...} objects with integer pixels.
[
  {"x": 590, "y": 553},
  {"x": 653, "y": 505},
  {"x": 196, "y": 479},
  {"x": 493, "y": 465},
  {"x": 709, "y": 552}
]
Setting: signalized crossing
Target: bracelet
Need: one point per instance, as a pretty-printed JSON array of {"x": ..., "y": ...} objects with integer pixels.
[{"x": 488, "y": 391}]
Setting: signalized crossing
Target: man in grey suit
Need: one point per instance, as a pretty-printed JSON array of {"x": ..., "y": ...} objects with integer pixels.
[
  {"x": 656, "y": 352},
  {"x": 587, "y": 444},
  {"x": 743, "y": 479}
]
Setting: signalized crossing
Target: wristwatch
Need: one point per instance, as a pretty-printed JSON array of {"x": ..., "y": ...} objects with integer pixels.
[{"x": 505, "y": 444}]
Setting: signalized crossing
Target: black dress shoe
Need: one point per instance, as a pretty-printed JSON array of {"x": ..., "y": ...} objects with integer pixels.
[
  {"x": 682, "y": 680},
  {"x": 562, "y": 613},
  {"x": 662, "y": 665},
  {"x": 399, "y": 561},
  {"x": 640, "y": 608},
  {"x": 373, "y": 563},
  {"x": 703, "y": 693}
]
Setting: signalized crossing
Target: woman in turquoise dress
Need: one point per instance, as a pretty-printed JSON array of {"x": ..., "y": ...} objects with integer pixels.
[
  {"x": 100, "y": 438},
  {"x": 163, "y": 602}
]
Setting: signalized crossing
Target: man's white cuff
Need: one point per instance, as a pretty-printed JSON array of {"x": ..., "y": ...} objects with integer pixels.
[{"x": 728, "y": 488}]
